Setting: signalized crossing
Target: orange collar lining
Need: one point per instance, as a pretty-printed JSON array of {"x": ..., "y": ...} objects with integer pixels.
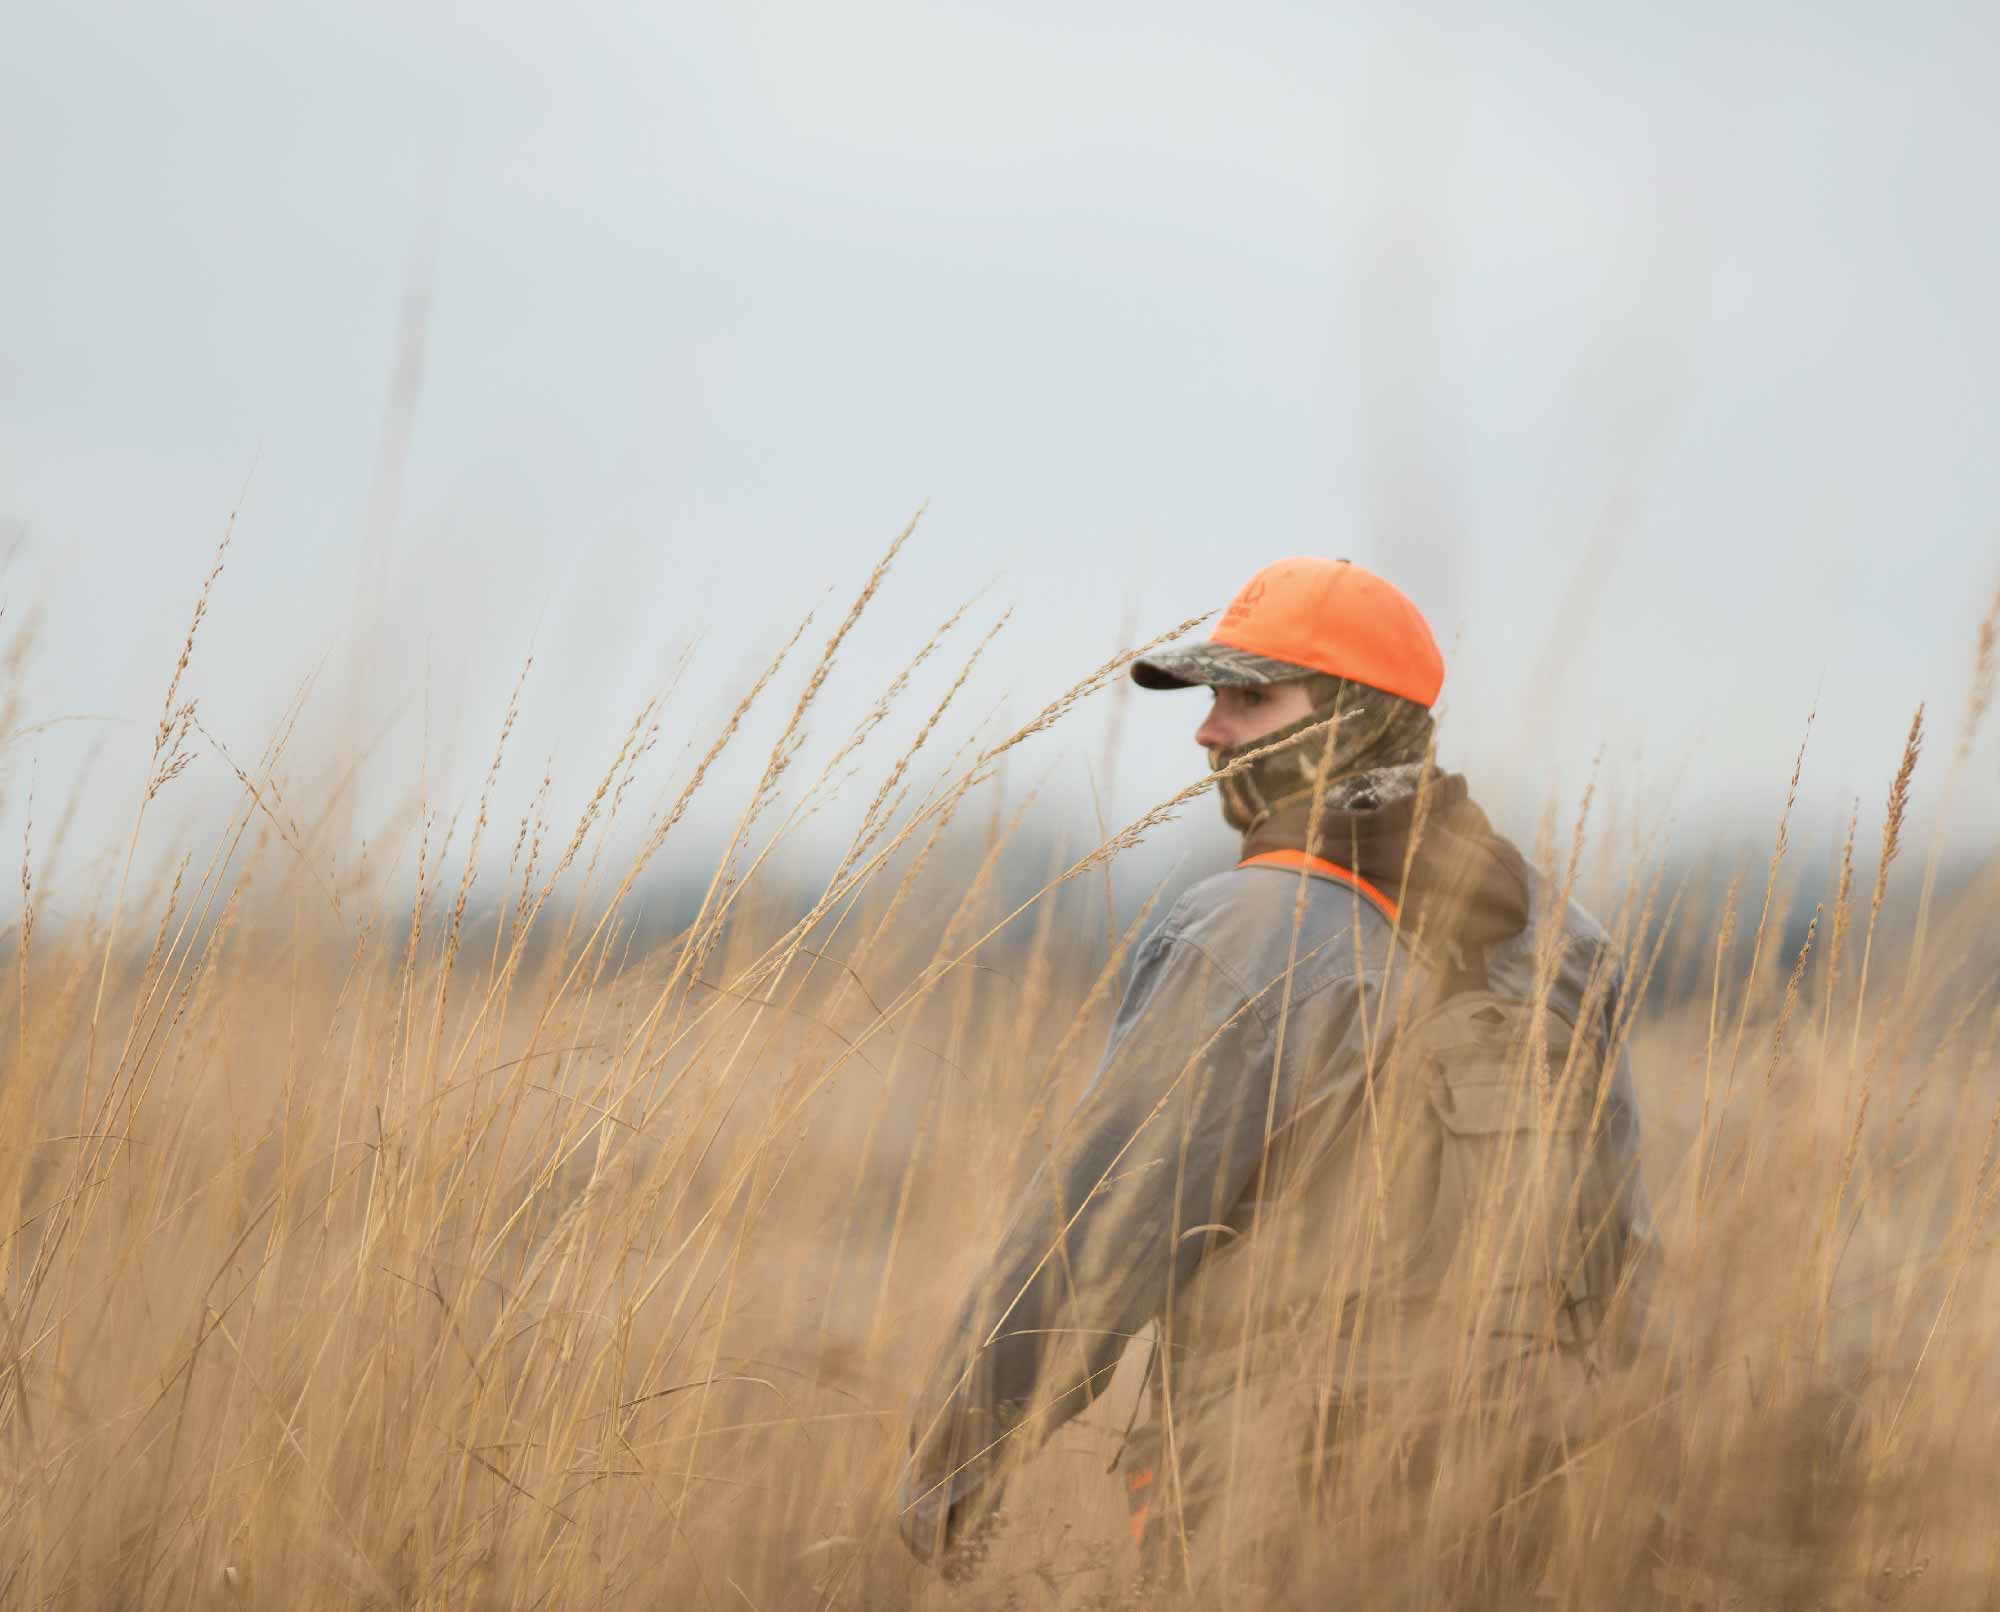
[{"x": 1326, "y": 870}]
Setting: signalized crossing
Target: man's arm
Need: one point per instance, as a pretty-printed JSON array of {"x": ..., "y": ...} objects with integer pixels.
[{"x": 1167, "y": 1136}]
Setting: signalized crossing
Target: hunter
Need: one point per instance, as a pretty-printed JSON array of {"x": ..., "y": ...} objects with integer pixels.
[{"x": 1364, "y": 1124}]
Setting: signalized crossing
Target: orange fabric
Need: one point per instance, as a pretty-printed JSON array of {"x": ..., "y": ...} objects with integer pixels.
[
  {"x": 1141, "y": 1509},
  {"x": 1326, "y": 870},
  {"x": 1336, "y": 617}
]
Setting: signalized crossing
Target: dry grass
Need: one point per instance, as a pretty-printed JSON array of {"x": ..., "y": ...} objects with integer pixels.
[{"x": 480, "y": 1255}]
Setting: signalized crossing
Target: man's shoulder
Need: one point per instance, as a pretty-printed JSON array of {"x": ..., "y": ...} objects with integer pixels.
[
  {"x": 1243, "y": 918},
  {"x": 1257, "y": 892},
  {"x": 1578, "y": 921},
  {"x": 1583, "y": 945}
]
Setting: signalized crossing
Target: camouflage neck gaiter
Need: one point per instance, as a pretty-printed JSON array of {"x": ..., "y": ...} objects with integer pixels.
[{"x": 1370, "y": 729}]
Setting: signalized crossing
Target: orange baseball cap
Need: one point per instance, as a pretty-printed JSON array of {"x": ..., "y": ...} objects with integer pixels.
[{"x": 1310, "y": 615}]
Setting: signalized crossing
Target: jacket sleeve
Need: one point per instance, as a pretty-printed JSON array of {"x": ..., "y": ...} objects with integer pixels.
[{"x": 1166, "y": 1137}]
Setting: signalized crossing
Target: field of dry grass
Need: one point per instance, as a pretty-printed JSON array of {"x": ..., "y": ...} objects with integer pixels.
[{"x": 491, "y": 1252}]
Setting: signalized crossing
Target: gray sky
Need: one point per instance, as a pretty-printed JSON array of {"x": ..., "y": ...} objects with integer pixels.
[{"x": 1648, "y": 347}]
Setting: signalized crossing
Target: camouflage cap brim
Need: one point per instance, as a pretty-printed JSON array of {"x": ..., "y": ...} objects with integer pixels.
[{"x": 1213, "y": 665}]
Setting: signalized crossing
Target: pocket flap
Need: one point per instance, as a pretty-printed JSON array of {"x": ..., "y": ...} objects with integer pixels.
[{"x": 1488, "y": 1107}]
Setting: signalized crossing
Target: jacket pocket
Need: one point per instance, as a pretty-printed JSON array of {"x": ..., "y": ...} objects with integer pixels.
[{"x": 1516, "y": 1190}]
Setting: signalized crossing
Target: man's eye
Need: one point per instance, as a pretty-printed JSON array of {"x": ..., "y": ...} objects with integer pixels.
[{"x": 1252, "y": 696}]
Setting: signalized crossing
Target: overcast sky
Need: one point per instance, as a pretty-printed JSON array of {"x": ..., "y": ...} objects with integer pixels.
[{"x": 1649, "y": 348}]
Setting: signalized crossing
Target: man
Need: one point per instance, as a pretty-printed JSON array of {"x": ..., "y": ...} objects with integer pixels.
[{"x": 1362, "y": 1138}]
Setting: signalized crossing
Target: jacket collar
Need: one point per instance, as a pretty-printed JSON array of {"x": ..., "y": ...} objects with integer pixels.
[{"x": 1416, "y": 835}]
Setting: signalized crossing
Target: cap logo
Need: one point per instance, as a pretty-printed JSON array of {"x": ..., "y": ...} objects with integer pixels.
[{"x": 1244, "y": 603}]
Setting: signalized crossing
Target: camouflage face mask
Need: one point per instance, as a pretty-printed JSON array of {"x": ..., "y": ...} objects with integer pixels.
[{"x": 1369, "y": 729}]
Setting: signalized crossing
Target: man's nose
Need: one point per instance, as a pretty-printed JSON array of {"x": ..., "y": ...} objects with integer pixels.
[{"x": 1213, "y": 732}]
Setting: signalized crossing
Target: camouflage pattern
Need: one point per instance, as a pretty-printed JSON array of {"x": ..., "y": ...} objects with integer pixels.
[
  {"x": 1364, "y": 728},
  {"x": 1212, "y": 665}
]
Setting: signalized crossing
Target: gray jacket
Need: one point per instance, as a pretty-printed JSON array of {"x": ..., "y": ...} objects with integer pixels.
[{"x": 1212, "y": 1065}]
